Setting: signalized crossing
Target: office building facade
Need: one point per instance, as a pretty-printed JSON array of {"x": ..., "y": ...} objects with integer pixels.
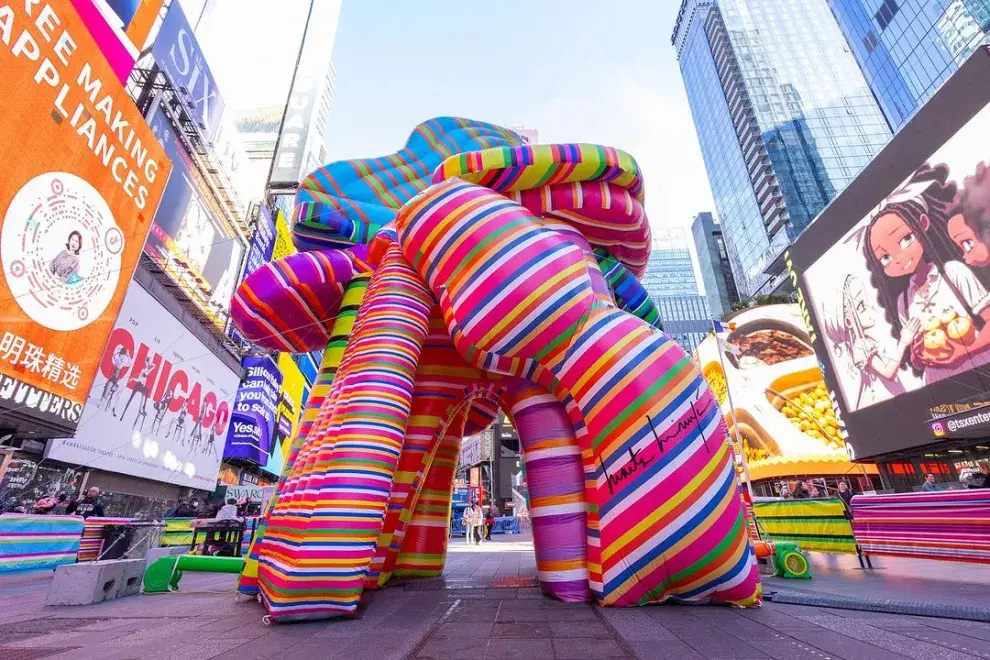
[
  {"x": 670, "y": 281},
  {"x": 908, "y": 48},
  {"x": 784, "y": 117},
  {"x": 713, "y": 261}
]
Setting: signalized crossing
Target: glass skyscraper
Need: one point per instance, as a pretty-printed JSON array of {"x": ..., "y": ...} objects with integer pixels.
[
  {"x": 908, "y": 48},
  {"x": 713, "y": 260},
  {"x": 670, "y": 281},
  {"x": 784, "y": 117}
]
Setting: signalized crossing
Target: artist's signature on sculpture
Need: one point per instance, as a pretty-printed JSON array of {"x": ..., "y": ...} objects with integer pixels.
[{"x": 637, "y": 462}]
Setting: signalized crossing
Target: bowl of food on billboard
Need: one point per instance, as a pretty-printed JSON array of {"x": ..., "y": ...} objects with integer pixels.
[{"x": 771, "y": 391}]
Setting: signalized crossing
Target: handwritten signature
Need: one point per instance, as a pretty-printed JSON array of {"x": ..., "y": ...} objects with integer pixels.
[{"x": 637, "y": 462}]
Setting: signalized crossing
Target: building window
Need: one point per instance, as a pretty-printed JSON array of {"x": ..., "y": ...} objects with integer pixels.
[
  {"x": 888, "y": 9},
  {"x": 870, "y": 41}
]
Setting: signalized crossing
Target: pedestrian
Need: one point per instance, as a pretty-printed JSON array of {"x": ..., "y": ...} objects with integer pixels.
[
  {"x": 985, "y": 472},
  {"x": 228, "y": 511},
  {"x": 929, "y": 486},
  {"x": 490, "y": 522},
  {"x": 472, "y": 521},
  {"x": 50, "y": 505},
  {"x": 846, "y": 495},
  {"x": 89, "y": 505}
]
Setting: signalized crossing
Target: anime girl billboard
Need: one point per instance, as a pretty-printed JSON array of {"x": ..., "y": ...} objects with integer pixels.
[{"x": 902, "y": 298}]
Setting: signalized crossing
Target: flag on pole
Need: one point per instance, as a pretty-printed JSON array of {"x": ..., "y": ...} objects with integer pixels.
[
  {"x": 718, "y": 327},
  {"x": 727, "y": 347}
]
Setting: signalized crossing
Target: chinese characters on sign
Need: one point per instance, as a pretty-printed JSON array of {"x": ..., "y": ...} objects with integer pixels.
[{"x": 20, "y": 352}]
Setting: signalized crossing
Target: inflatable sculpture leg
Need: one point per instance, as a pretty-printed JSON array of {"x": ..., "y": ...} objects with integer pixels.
[
  {"x": 555, "y": 479},
  {"x": 324, "y": 579},
  {"x": 518, "y": 299}
]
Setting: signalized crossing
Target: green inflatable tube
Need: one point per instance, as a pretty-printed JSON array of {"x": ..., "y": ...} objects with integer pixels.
[{"x": 164, "y": 574}]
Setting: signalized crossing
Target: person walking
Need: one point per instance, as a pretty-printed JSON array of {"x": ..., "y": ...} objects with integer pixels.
[
  {"x": 845, "y": 494},
  {"x": 490, "y": 522},
  {"x": 472, "y": 520},
  {"x": 929, "y": 486}
]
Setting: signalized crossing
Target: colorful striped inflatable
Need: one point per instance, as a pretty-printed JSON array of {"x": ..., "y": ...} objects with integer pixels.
[
  {"x": 509, "y": 283},
  {"x": 953, "y": 525},
  {"x": 30, "y": 542}
]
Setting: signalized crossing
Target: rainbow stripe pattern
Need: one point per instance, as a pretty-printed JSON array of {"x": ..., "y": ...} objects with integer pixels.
[
  {"x": 510, "y": 282},
  {"x": 953, "y": 525},
  {"x": 30, "y": 542}
]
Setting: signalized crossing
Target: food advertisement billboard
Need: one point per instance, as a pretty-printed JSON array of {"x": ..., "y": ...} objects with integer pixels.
[
  {"x": 161, "y": 404},
  {"x": 894, "y": 278},
  {"x": 82, "y": 177},
  {"x": 187, "y": 240},
  {"x": 779, "y": 407}
]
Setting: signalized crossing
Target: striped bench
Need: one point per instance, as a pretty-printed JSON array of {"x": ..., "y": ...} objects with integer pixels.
[
  {"x": 92, "y": 536},
  {"x": 951, "y": 525},
  {"x": 821, "y": 525},
  {"x": 31, "y": 542}
]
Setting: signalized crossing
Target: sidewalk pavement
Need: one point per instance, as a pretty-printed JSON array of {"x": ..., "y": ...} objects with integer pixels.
[
  {"x": 487, "y": 605},
  {"x": 894, "y": 579}
]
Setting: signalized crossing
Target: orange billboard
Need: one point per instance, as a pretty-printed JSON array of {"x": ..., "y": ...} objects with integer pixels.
[{"x": 80, "y": 182}]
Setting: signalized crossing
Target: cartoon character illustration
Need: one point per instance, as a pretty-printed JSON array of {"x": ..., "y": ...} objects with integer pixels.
[
  {"x": 916, "y": 269},
  {"x": 847, "y": 322},
  {"x": 65, "y": 265},
  {"x": 969, "y": 224}
]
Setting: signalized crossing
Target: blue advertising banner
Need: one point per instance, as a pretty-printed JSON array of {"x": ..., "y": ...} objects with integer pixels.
[
  {"x": 252, "y": 423},
  {"x": 179, "y": 56},
  {"x": 262, "y": 243}
]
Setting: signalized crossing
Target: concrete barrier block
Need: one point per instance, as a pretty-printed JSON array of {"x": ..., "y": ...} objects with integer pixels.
[
  {"x": 130, "y": 583},
  {"x": 87, "y": 583}
]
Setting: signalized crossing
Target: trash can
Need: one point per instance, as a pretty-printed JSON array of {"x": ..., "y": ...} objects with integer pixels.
[{"x": 116, "y": 540}]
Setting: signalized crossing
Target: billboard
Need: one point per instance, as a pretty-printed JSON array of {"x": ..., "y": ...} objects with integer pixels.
[
  {"x": 262, "y": 243},
  {"x": 161, "y": 403},
  {"x": 299, "y": 134},
  {"x": 119, "y": 28},
  {"x": 773, "y": 395},
  {"x": 179, "y": 56},
  {"x": 82, "y": 178},
  {"x": 894, "y": 278},
  {"x": 187, "y": 240},
  {"x": 255, "y": 411}
]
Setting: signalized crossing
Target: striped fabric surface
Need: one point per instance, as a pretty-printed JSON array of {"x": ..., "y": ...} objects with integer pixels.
[
  {"x": 555, "y": 479},
  {"x": 608, "y": 216},
  {"x": 290, "y": 304},
  {"x": 423, "y": 549},
  {"x": 439, "y": 406},
  {"x": 628, "y": 291},
  {"x": 279, "y": 525},
  {"x": 323, "y": 572},
  {"x": 665, "y": 519},
  {"x": 532, "y": 167},
  {"x": 92, "y": 536},
  {"x": 950, "y": 525},
  {"x": 348, "y": 202},
  {"x": 32, "y": 542},
  {"x": 813, "y": 524}
]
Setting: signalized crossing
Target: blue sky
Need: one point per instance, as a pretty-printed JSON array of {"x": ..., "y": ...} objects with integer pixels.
[{"x": 575, "y": 70}]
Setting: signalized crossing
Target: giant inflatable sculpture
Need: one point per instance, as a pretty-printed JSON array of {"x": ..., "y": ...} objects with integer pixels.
[{"x": 463, "y": 274}]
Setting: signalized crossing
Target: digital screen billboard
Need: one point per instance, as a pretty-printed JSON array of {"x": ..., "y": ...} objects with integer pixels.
[
  {"x": 161, "y": 404},
  {"x": 895, "y": 279},
  {"x": 81, "y": 180},
  {"x": 187, "y": 240},
  {"x": 766, "y": 378}
]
